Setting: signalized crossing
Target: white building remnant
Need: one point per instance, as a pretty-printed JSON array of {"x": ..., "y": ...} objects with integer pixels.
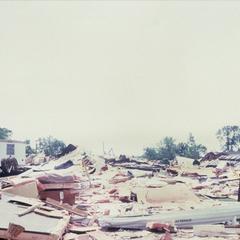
[{"x": 14, "y": 149}]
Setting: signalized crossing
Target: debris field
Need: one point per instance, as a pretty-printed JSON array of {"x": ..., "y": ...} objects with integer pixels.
[{"x": 82, "y": 197}]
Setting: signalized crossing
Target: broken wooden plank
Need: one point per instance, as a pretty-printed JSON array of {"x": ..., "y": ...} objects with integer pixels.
[
  {"x": 53, "y": 214},
  {"x": 28, "y": 210},
  {"x": 22, "y": 200},
  {"x": 66, "y": 207},
  {"x": 81, "y": 229}
]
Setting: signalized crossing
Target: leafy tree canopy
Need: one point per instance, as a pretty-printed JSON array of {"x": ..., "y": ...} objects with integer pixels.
[
  {"x": 151, "y": 153},
  {"x": 5, "y": 133},
  {"x": 229, "y": 137},
  {"x": 50, "y": 146},
  {"x": 167, "y": 150},
  {"x": 164, "y": 151},
  {"x": 29, "y": 149},
  {"x": 191, "y": 149}
]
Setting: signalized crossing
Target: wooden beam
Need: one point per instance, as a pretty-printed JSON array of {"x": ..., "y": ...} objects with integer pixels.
[{"x": 66, "y": 207}]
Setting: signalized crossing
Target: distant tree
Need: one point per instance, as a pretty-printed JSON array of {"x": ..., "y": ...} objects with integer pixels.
[
  {"x": 195, "y": 150},
  {"x": 182, "y": 149},
  {"x": 167, "y": 149},
  {"x": 191, "y": 149},
  {"x": 151, "y": 153},
  {"x": 29, "y": 149},
  {"x": 50, "y": 146},
  {"x": 5, "y": 133},
  {"x": 229, "y": 137}
]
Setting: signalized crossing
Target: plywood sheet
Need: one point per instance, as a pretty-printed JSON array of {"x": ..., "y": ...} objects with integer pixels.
[{"x": 33, "y": 223}]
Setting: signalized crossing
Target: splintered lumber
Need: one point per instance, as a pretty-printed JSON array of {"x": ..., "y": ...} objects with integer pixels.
[
  {"x": 28, "y": 210},
  {"x": 86, "y": 171},
  {"x": 37, "y": 207},
  {"x": 66, "y": 207},
  {"x": 53, "y": 214},
  {"x": 22, "y": 200},
  {"x": 212, "y": 215},
  {"x": 82, "y": 229}
]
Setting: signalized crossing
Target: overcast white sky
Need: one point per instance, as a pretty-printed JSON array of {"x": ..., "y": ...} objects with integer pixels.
[{"x": 126, "y": 73}]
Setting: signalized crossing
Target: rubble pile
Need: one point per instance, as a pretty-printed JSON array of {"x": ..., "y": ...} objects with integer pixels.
[{"x": 81, "y": 197}]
